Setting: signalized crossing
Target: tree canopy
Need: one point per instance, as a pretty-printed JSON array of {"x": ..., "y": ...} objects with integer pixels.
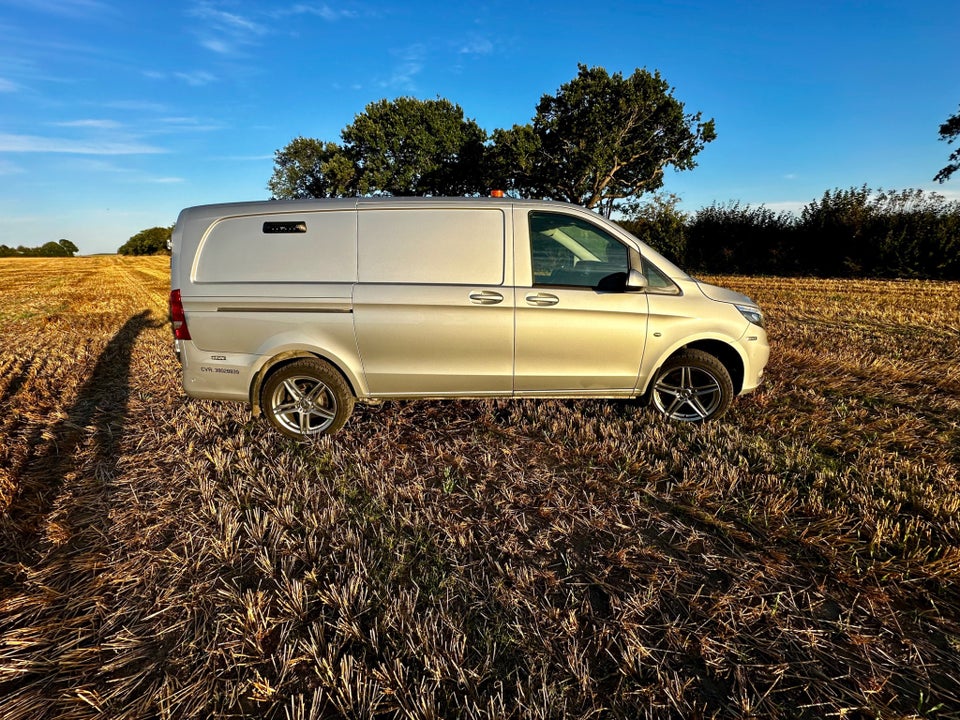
[
  {"x": 400, "y": 147},
  {"x": 68, "y": 246},
  {"x": 950, "y": 131},
  {"x": 415, "y": 147},
  {"x": 311, "y": 168},
  {"x": 151, "y": 241},
  {"x": 601, "y": 139},
  {"x": 604, "y": 137}
]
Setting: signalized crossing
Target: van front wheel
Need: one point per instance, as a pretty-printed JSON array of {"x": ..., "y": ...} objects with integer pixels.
[
  {"x": 306, "y": 398},
  {"x": 692, "y": 386}
]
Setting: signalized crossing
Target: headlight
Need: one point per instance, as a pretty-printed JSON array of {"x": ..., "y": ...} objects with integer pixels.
[{"x": 751, "y": 313}]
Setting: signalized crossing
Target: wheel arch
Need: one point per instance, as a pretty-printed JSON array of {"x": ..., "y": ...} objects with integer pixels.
[
  {"x": 722, "y": 350},
  {"x": 286, "y": 357},
  {"x": 726, "y": 354}
]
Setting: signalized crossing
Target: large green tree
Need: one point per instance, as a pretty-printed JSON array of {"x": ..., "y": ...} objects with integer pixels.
[
  {"x": 312, "y": 168},
  {"x": 394, "y": 147},
  {"x": 950, "y": 131},
  {"x": 151, "y": 241},
  {"x": 52, "y": 249},
  {"x": 605, "y": 138},
  {"x": 68, "y": 246},
  {"x": 416, "y": 147}
]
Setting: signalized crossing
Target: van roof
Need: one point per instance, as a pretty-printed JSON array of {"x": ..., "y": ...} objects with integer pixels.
[{"x": 262, "y": 207}]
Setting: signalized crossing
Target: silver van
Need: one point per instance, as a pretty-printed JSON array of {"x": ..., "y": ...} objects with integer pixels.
[{"x": 300, "y": 308}]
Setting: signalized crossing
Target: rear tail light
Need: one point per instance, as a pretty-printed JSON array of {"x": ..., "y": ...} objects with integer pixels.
[{"x": 179, "y": 320}]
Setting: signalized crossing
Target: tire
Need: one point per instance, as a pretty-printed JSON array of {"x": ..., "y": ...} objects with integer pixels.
[
  {"x": 692, "y": 386},
  {"x": 306, "y": 398}
]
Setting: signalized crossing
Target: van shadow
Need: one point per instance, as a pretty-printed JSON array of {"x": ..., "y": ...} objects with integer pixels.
[{"x": 94, "y": 423}]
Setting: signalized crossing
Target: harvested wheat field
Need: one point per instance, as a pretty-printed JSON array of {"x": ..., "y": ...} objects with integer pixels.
[{"x": 170, "y": 558}]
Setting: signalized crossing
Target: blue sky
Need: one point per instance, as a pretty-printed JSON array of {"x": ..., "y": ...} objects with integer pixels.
[{"x": 115, "y": 115}]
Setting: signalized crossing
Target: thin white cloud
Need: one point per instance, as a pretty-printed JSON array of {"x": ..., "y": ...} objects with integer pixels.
[
  {"x": 218, "y": 46},
  {"x": 96, "y": 165},
  {"x": 180, "y": 120},
  {"x": 476, "y": 46},
  {"x": 180, "y": 124},
  {"x": 145, "y": 106},
  {"x": 231, "y": 33},
  {"x": 222, "y": 32},
  {"x": 8, "y": 86},
  {"x": 65, "y": 8},
  {"x": 8, "y": 168},
  {"x": 321, "y": 10},
  {"x": 39, "y": 144},
  {"x": 129, "y": 175},
  {"x": 227, "y": 21},
  {"x": 197, "y": 78},
  {"x": 245, "y": 158},
  {"x": 411, "y": 61},
  {"x": 90, "y": 123}
]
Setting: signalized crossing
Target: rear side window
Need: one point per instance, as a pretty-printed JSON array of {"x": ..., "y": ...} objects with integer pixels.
[
  {"x": 569, "y": 251},
  {"x": 431, "y": 246}
]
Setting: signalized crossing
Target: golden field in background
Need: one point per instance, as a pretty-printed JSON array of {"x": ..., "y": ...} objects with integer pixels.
[{"x": 166, "y": 557}]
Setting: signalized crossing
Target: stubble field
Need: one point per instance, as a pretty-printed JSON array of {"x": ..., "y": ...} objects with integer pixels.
[{"x": 170, "y": 558}]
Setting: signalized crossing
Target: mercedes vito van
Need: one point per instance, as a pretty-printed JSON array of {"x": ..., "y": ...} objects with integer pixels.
[{"x": 301, "y": 308}]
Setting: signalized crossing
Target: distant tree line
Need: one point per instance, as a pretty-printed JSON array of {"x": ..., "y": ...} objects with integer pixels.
[
  {"x": 152, "y": 241},
  {"x": 856, "y": 232},
  {"x": 61, "y": 248}
]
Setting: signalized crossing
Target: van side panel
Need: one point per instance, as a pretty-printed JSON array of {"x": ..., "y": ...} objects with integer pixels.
[
  {"x": 434, "y": 247},
  {"x": 432, "y": 313},
  {"x": 289, "y": 248}
]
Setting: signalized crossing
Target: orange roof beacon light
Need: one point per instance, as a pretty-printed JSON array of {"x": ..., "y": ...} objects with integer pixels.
[{"x": 497, "y": 194}]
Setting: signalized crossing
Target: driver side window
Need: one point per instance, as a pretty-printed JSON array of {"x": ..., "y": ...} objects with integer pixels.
[{"x": 572, "y": 252}]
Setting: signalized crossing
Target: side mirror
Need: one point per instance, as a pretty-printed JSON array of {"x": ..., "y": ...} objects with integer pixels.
[{"x": 636, "y": 280}]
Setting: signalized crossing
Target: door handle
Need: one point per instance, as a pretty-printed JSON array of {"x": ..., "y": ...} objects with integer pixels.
[
  {"x": 486, "y": 297},
  {"x": 542, "y": 299}
]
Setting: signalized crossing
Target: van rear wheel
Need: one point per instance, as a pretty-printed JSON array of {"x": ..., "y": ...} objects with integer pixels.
[
  {"x": 306, "y": 398},
  {"x": 692, "y": 386}
]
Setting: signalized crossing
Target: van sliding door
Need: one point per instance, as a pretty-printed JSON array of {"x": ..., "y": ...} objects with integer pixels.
[{"x": 432, "y": 309}]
